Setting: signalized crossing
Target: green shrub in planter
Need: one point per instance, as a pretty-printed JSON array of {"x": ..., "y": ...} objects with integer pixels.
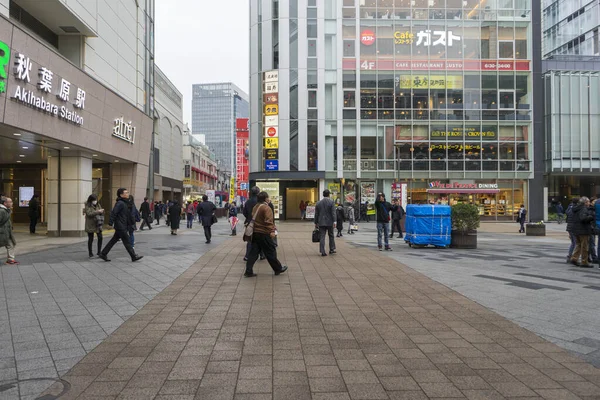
[
  {"x": 465, "y": 218},
  {"x": 465, "y": 221}
]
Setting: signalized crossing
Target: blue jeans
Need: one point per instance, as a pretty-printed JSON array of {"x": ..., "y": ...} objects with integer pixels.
[
  {"x": 131, "y": 238},
  {"x": 573, "y": 243},
  {"x": 592, "y": 253},
  {"x": 190, "y": 220},
  {"x": 383, "y": 228}
]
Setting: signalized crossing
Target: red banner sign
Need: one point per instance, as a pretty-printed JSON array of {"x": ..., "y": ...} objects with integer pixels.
[
  {"x": 442, "y": 65},
  {"x": 241, "y": 156}
]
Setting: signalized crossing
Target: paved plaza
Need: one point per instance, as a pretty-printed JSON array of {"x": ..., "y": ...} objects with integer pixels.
[
  {"x": 525, "y": 279},
  {"x": 184, "y": 323}
]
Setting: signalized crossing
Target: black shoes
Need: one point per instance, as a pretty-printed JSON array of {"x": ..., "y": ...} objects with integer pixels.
[
  {"x": 388, "y": 249},
  {"x": 323, "y": 254},
  {"x": 136, "y": 258},
  {"x": 332, "y": 251},
  {"x": 282, "y": 270},
  {"x": 207, "y": 242},
  {"x": 105, "y": 258},
  {"x": 91, "y": 255},
  {"x": 247, "y": 275}
]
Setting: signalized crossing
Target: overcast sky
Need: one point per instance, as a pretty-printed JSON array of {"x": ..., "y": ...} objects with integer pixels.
[{"x": 202, "y": 41}]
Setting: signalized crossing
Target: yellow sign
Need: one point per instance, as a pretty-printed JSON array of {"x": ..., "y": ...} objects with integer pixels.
[
  {"x": 271, "y": 143},
  {"x": 404, "y": 37},
  {"x": 232, "y": 189},
  {"x": 271, "y": 109},
  {"x": 430, "y": 82},
  {"x": 192, "y": 182}
]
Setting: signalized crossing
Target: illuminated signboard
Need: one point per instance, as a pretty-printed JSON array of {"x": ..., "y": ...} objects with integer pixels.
[{"x": 429, "y": 82}]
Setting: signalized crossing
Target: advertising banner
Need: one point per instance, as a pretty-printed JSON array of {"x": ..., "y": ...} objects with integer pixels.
[
  {"x": 241, "y": 156},
  {"x": 271, "y": 165},
  {"x": 271, "y": 154},
  {"x": 460, "y": 133},
  {"x": 271, "y": 131},
  {"x": 271, "y": 143},
  {"x": 211, "y": 196},
  {"x": 272, "y": 188},
  {"x": 271, "y": 109},
  {"x": 25, "y": 194},
  {"x": 334, "y": 188},
  {"x": 271, "y": 98},
  {"x": 429, "y": 82}
]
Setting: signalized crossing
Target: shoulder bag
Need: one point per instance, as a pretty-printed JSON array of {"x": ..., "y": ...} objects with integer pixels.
[{"x": 249, "y": 230}]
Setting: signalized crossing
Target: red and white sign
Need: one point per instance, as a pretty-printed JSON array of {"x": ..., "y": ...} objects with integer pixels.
[
  {"x": 442, "y": 65},
  {"x": 271, "y": 131},
  {"x": 367, "y": 37},
  {"x": 241, "y": 155}
]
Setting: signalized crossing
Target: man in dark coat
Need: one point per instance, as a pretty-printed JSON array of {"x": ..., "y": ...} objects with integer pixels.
[
  {"x": 383, "y": 209},
  {"x": 34, "y": 212},
  {"x": 206, "y": 210},
  {"x": 145, "y": 211},
  {"x": 582, "y": 229},
  {"x": 570, "y": 225},
  {"x": 325, "y": 220},
  {"x": 397, "y": 215},
  {"x": 121, "y": 218}
]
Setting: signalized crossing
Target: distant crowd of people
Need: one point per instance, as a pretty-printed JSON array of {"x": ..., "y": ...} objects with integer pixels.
[{"x": 583, "y": 226}]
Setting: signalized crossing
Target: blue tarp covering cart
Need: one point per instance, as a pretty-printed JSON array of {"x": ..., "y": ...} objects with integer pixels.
[{"x": 428, "y": 225}]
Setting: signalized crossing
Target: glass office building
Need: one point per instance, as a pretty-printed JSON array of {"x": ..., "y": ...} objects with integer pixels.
[
  {"x": 571, "y": 69},
  {"x": 215, "y": 107},
  {"x": 429, "y": 101}
]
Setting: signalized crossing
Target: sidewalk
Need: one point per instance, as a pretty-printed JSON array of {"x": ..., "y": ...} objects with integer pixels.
[{"x": 355, "y": 325}]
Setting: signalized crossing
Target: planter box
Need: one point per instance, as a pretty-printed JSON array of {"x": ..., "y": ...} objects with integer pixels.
[
  {"x": 535, "y": 229},
  {"x": 464, "y": 241}
]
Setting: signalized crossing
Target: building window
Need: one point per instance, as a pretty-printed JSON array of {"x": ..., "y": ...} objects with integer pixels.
[
  {"x": 349, "y": 48},
  {"x": 506, "y": 99},
  {"x": 506, "y": 49}
]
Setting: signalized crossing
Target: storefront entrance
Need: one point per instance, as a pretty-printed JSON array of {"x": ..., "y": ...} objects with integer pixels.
[
  {"x": 497, "y": 200},
  {"x": 293, "y": 198}
]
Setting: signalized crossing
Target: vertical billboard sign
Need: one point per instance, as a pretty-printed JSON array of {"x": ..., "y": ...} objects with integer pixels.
[
  {"x": 270, "y": 119},
  {"x": 241, "y": 154}
]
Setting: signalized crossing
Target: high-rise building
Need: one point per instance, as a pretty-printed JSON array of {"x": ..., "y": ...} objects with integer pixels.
[
  {"x": 76, "y": 90},
  {"x": 215, "y": 108},
  {"x": 570, "y": 27},
  {"x": 571, "y": 77},
  {"x": 427, "y": 101}
]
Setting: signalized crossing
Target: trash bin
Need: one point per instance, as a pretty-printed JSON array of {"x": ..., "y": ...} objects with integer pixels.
[{"x": 428, "y": 225}]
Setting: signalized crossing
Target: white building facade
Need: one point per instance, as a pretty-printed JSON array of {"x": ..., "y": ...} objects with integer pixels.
[
  {"x": 168, "y": 139},
  {"x": 425, "y": 101}
]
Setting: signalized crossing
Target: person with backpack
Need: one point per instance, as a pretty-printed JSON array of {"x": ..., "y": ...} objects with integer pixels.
[
  {"x": 340, "y": 216},
  {"x": 397, "y": 215},
  {"x": 189, "y": 212}
]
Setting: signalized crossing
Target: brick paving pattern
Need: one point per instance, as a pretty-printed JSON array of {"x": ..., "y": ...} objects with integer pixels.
[{"x": 355, "y": 325}]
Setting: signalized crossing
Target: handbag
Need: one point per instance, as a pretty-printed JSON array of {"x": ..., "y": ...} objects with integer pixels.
[
  {"x": 249, "y": 229},
  {"x": 316, "y": 236},
  {"x": 354, "y": 227},
  {"x": 214, "y": 219}
]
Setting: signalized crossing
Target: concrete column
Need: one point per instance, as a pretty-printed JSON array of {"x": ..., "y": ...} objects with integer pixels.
[
  {"x": 71, "y": 176},
  {"x": 4, "y": 7},
  {"x": 133, "y": 177}
]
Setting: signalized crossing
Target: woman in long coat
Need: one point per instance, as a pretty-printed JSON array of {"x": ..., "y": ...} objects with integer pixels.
[
  {"x": 175, "y": 217},
  {"x": 94, "y": 219}
]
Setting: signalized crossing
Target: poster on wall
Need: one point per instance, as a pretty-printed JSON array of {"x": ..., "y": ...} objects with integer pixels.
[
  {"x": 399, "y": 193},
  {"x": 334, "y": 188},
  {"x": 350, "y": 192},
  {"x": 211, "y": 196},
  {"x": 310, "y": 212},
  {"x": 25, "y": 194},
  {"x": 272, "y": 188},
  {"x": 367, "y": 193}
]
